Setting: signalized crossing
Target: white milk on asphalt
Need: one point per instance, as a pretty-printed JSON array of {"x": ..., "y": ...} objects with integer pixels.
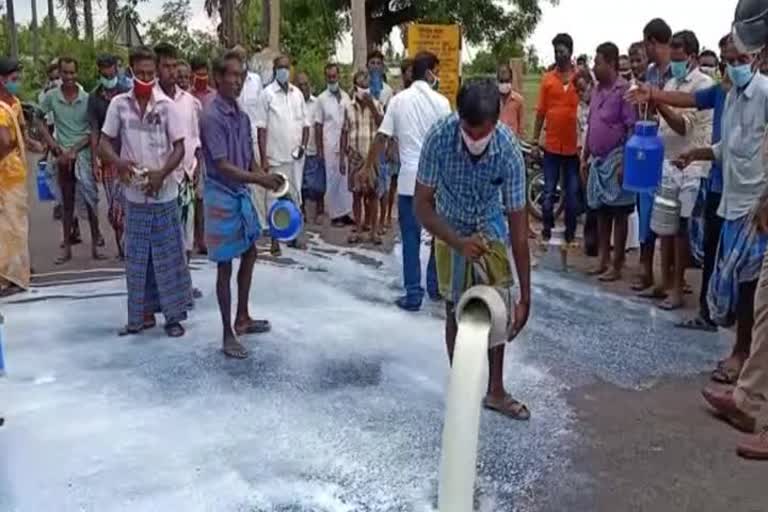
[{"x": 468, "y": 381}]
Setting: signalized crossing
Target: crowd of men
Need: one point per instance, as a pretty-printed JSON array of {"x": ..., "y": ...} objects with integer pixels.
[{"x": 191, "y": 164}]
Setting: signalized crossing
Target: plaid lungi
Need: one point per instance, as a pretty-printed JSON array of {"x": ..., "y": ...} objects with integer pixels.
[
  {"x": 739, "y": 259},
  {"x": 156, "y": 270}
]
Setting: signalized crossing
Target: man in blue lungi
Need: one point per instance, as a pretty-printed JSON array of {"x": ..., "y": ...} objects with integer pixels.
[
  {"x": 147, "y": 128},
  {"x": 231, "y": 222}
]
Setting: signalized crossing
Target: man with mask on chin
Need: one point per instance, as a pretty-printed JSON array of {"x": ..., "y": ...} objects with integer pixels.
[
  {"x": 146, "y": 127},
  {"x": 470, "y": 194},
  {"x": 98, "y": 103},
  {"x": 329, "y": 121},
  {"x": 283, "y": 131}
]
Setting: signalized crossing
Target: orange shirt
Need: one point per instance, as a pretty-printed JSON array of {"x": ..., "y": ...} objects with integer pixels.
[
  {"x": 512, "y": 112},
  {"x": 558, "y": 103}
]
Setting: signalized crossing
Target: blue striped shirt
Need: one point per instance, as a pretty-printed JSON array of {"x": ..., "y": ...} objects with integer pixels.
[{"x": 473, "y": 195}]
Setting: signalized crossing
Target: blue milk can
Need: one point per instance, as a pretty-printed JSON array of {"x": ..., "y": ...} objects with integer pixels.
[
  {"x": 643, "y": 158},
  {"x": 43, "y": 190},
  {"x": 285, "y": 220}
]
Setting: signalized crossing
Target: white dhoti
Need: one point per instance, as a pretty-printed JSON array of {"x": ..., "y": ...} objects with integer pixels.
[{"x": 338, "y": 198}]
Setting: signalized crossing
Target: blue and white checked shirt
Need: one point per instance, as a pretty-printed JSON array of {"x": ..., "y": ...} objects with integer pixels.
[{"x": 473, "y": 196}]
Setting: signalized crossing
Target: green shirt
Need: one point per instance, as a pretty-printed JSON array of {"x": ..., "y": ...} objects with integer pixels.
[{"x": 70, "y": 120}]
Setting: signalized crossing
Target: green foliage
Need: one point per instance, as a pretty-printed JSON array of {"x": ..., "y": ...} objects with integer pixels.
[{"x": 173, "y": 26}]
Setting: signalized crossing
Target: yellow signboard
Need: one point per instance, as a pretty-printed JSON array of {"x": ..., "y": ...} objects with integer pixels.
[{"x": 445, "y": 42}]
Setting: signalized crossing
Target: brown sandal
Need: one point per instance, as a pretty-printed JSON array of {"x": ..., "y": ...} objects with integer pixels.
[{"x": 508, "y": 407}]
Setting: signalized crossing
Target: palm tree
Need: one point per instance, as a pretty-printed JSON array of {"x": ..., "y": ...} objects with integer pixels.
[
  {"x": 35, "y": 33},
  {"x": 112, "y": 18},
  {"x": 227, "y": 30},
  {"x": 51, "y": 16},
  {"x": 70, "y": 6},
  {"x": 88, "y": 20},
  {"x": 13, "y": 36}
]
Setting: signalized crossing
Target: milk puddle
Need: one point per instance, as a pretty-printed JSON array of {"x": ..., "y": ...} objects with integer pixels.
[{"x": 468, "y": 381}]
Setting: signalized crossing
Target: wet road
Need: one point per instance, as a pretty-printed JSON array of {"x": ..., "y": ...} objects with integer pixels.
[{"x": 339, "y": 408}]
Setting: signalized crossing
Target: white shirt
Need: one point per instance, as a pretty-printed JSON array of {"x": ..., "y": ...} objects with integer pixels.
[
  {"x": 330, "y": 113},
  {"x": 249, "y": 102},
  {"x": 698, "y": 124},
  {"x": 741, "y": 148},
  {"x": 189, "y": 109},
  {"x": 311, "y": 107},
  {"x": 283, "y": 114},
  {"x": 409, "y": 117}
]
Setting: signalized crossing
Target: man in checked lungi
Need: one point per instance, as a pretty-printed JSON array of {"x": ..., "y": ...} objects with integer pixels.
[
  {"x": 231, "y": 222},
  {"x": 147, "y": 126}
]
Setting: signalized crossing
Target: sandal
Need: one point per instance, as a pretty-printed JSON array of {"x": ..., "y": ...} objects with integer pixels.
[
  {"x": 353, "y": 239},
  {"x": 149, "y": 323},
  {"x": 727, "y": 372},
  {"x": 235, "y": 351},
  {"x": 670, "y": 305},
  {"x": 697, "y": 323},
  {"x": 508, "y": 407},
  {"x": 174, "y": 330},
  {"x": 653, "y": 293},
  {"x": 253, "y": 327},
  {"x": 376, "y": 240}
]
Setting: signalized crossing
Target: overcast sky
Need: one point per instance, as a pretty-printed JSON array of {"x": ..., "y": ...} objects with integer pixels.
[{"x": 623, "y": 21}]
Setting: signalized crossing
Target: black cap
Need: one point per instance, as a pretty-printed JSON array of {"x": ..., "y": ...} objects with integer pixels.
[{"x": 8, "y": 66}]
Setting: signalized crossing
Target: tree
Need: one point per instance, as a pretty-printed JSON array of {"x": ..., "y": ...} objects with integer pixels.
[
  {"x": 532, "y": 59},
  {"x": 51, "y": 16},
  {"x": 173, "y": 26},
  {"x": 483, "y": 21},
  {"x": 112, "y": 17},
  {"x": 13, "y": 36},
  {"x": 73, "y": 17},
  {"x": 87, "y": 19},
  {"x": 228, "y": 29}
]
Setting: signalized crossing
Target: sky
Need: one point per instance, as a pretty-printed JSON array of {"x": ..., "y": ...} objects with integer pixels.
[{"x": 624, "y": 25}]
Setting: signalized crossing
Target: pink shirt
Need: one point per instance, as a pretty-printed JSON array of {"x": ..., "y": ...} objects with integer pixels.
[
  {"x": 145, "y": 140},
  {"x": 189, "y": 109}
]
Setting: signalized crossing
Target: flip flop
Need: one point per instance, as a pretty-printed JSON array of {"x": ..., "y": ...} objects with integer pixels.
[
  {"x": 236, "y": 351},
  {"x": 653, "y": 293},
  {"x": 610, "y": 277},
  {"x": 253, "y": 327},
  {"x": 596, "y": 271},
  {"x": 668, "y": 305},
  {"x": 697, "y": 324},
  {"x": 640, "y": 286},
  {"x": 508, "y": 407},
  {"x": 174, "y": 330},
  {"x": 726, "y": 372}
]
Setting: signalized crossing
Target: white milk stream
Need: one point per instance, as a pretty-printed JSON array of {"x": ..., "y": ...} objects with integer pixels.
[{"x": 468, "y": 382}]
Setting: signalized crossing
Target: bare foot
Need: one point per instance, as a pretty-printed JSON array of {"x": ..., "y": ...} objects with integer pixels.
[
  {"x": 233, "y": 348},
  {"x": 96, "y": 255},
  {"x": 598, "y": 270},
  {"x": 274, "y": 249},
  {"x": 642, "y": 283}
]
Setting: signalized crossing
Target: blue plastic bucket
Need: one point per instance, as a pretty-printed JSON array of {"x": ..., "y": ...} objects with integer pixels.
[
  {"x": 285, "y": 220},
  {"x": 43, "y": 190},
  {"x": 643, "y": 158}
]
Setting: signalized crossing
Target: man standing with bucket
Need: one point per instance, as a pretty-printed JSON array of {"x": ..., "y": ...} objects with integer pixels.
[
  {"x": 470, "y": 194},
  {"x": 232, "y": 224}
]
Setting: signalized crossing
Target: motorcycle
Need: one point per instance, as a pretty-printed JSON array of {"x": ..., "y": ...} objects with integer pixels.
[{"x": 535, "y": 184}]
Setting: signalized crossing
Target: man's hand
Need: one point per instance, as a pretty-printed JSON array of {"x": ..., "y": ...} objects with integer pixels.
[
  {"x": 584, "y": 171},
  {"x": 125, "y": 170},
  {"x": 368, "y": 102},
  {"x": 535, "y": 149},
  {"x": 271, "y": 182},
  {"x": 473, "y": 247},
  {"x": 641, "y": 93},
  {"x": 65, "y": 158},
  {"x": 620, "y": 171},
  {"x": 155, "y": 180},
  {"x": 685, "y": 159},
  {"x": 57, "y": 150},
  {"x": 520, "y": 312},
  {"x": 96, "y": 169},
  {"x": 342, "y": 166}
]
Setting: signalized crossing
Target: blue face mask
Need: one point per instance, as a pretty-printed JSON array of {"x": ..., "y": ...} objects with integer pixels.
[
  {"x": 679, "y": 69},
  {"x": 740, "y": 75},
  {"x": 108, "y": 83},
  {"x": 13, "y": 87},
  {"x": 282, "y": 75}
]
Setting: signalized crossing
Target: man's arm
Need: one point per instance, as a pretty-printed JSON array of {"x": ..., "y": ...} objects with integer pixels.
[
  {"x": 262, "y": 121},
  {"x": 518, "y": 237},
  {"x": 42, "y": 128},
  {"x": 426, "y": 212},
  {"x": 304, "y": 136},
  {"x": 541, "y": 111},
  {"x": 645, "y": 93},
  {"x": 319, "y": 140},
  {"x": 262, "y": 136}
]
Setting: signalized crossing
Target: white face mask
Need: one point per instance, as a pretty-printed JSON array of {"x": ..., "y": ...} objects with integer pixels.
[
  {"x": 476, "y": 147},
  {"x": 709, "y": 71},
  {"x": 505, "y": 88},
  {"x": 362, "y": 93}
]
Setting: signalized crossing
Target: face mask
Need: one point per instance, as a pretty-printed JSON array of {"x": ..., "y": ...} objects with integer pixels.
[
  {"x": 333, "y": 87},
  {"x": 142, "y": 89},
  {"x": 56, "y": 82},
  {"x": 108, "y": 83},
  {"x": 505, "y": 88},
  {"x": 626, "y": 75},
  {"x": 13, "y": 87},
  {"x": 362, "y": 93},
  {"x": 200, "y": 82},
  {"x": 282, "y": 75},
  {"x": 476, "y": 147},
  {"x": 434, "y": 83},
  {"x": 679, "y": 69},
  {"x": 710, "y": 71},
  {"x": 740, "y": 75}
]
